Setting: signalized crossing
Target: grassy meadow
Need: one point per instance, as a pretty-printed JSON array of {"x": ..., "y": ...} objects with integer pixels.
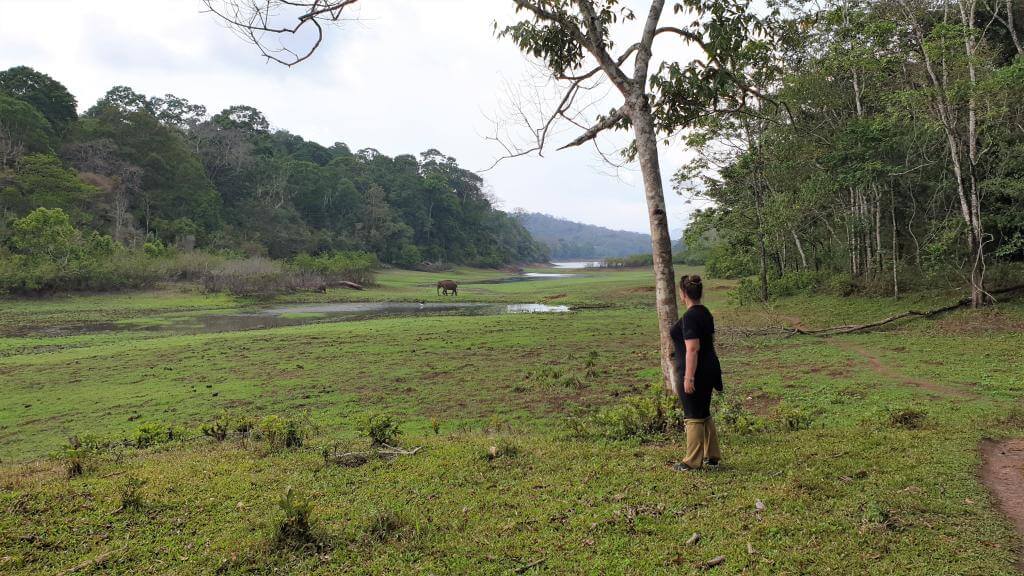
[{"x": 544, "y": 446}]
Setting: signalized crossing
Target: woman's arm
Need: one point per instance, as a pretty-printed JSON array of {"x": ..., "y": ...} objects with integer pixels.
[{"x": 692, "y": 348}]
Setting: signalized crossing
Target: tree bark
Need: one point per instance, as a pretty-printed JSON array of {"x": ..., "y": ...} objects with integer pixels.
[
  {"x": 895, "y": 245},
  {"x": 800, "y": 250},
  {"x": 661, "y": 242},
  {"x": 763, "y": 272},
  {"x": 970, "y": 201}
]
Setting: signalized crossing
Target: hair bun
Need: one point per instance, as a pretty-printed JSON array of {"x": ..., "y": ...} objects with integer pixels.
[{"x": 695, "y": 279}]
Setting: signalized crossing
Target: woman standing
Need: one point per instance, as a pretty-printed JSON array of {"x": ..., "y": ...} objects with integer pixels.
[{"x": 698, "y": 372}]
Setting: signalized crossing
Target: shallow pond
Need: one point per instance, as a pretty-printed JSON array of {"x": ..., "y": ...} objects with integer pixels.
[{"x": 290, "y": 315}]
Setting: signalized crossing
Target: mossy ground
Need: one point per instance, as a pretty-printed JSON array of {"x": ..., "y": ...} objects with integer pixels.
[{"x": 808, "y": 428}]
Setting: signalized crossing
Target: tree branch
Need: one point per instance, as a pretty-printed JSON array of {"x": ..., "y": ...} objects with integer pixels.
[
  {"x": 602, "y": 124},
  {"x": 644, "y": 51},
  {"x": 251, "y": 21}
]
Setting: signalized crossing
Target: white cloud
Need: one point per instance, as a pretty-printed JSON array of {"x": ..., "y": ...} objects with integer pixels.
[{"x": 410, "y": 75}]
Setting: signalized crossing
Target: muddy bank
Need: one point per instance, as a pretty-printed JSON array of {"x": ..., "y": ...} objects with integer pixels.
[
  {"x": 1002, "y": 471},
  {"x": 280, "y": 316}
]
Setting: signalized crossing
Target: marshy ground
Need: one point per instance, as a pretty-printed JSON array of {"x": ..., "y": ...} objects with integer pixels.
[{"x": 538, "y": 450}]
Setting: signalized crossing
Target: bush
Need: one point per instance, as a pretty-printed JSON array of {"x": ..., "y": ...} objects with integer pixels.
[
  {"x": 282, "y": 432},
  {"x": 355, "y": 267},
  {"x": 729, "y": 412},
  {"x": 409, "y": 256},
  {"x": 642, "y": 418},
  {"x": 796, "y": 283},
  {"x": 49, "y": 254},
  {"x": 381, "y": 429},
  {"x": 250, "y": 277},
  {"x": 131, "y": 493},
  {"x": 634, "y": 261},
  {"x": 794, "y": 419},
  {"x": 218, "y": 430},
  {"x": 154, "y": 433},
  {"x": 295, "y": 528},
  {"x": 80, "y": 451}
]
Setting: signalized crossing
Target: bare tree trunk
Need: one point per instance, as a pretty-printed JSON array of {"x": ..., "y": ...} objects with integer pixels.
[
  {"x": 878, "y": 229},
  {"x": 763, "y": 271},
  {"x": 1012, "y": 27},
  {"x": 970, "y": 201},
  {"x": 978, "y": 297},
  {"x": 895, "y": 244},
  {"x": 851, "y": 235},
  {"x": 799, "y": 249},
  {"x": 661, "y": 243}
]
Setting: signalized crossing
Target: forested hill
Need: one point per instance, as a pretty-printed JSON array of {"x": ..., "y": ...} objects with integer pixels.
[
  {"x": 163, "y": 170},
  {"x": 567, "y": 239}
]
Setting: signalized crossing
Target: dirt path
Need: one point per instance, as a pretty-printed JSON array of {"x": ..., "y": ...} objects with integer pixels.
[
  {"x": 1002, "y": 471},
  {"x": 883, "y": 369}
]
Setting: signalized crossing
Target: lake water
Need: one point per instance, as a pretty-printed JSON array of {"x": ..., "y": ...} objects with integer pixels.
[{"x": 578, "y": 264}]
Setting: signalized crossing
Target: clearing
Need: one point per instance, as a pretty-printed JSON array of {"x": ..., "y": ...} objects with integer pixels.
[{"x": 539, "y": 453}]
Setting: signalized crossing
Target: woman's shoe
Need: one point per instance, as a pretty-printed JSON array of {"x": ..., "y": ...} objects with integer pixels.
[
  {"x": 713, "y": 462},
  {"x": 681, "y": 467}
]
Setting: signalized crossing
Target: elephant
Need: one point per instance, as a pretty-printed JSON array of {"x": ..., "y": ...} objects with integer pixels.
[{"x": 447, "y": 285}]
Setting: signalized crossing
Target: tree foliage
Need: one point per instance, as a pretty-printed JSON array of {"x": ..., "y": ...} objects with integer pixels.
[
  {"x": 44, "y": 93},
  {"x": 885, "y": 150},
  {"x": 160, "y": 170}
]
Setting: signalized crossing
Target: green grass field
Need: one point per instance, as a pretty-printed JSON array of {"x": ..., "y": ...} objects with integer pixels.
[{"x": 863, "y": 449}]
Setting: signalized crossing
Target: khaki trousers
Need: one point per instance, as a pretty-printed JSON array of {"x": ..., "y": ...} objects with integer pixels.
[{"x": 701, "y": 441}]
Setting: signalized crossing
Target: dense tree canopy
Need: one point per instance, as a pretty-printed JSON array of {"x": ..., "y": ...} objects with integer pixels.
[
  {"x": 887, "y": 148},
  {"x": 160, "y": 168},
  {"x": 45, "y": 94}
]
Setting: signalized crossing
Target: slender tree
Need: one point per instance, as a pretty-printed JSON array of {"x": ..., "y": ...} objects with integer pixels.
[{"x": 576, "y": 40}]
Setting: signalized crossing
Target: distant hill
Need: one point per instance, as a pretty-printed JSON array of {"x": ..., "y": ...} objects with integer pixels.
[{"x": 570, "y": 240}]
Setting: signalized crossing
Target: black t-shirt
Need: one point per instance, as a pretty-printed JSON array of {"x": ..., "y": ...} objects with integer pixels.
[{"x": 697, "y": 323}]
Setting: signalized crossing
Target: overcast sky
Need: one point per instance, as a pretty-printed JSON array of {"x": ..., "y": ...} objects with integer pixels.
[{"x": 408, "y": 76}]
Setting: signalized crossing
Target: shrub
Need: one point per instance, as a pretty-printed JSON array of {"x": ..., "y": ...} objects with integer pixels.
[
  {"x": 729, "y": 412},
  {"x": 218, "y": 430},
  {"x": 642, "y": 418},
  {"x": 295, "y": 528},
  {"x": 154, "y": 433},
  {"x": 131, "y": 493},
  {"x": 355, "y": 267},
  {"x": 381, "y": 429},
  {"x": 154, "y": 248},
  {"x": 282, "y": 432},
  {"x": 250, "y": 277},
  {"x": 794, "y": 419}
]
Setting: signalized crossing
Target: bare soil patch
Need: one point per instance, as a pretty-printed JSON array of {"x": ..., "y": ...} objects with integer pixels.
[
  {"x": 760, "y": 403},
  {"x": 880, "y": 367},
  {"x": 981, "y": 322},
  {"x": 1002, "y": 472}
]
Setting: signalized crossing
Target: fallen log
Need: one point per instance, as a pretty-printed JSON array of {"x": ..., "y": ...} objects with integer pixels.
[
  {"x": 356, "y": 459},
  {"x": 847, "y": 329},
  {"x": 347, "y": 284}
]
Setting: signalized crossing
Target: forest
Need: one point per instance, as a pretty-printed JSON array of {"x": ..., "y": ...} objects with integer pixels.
[
  {"x": 885, "y": 152},
  {"x": 136, "y": 177}
]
